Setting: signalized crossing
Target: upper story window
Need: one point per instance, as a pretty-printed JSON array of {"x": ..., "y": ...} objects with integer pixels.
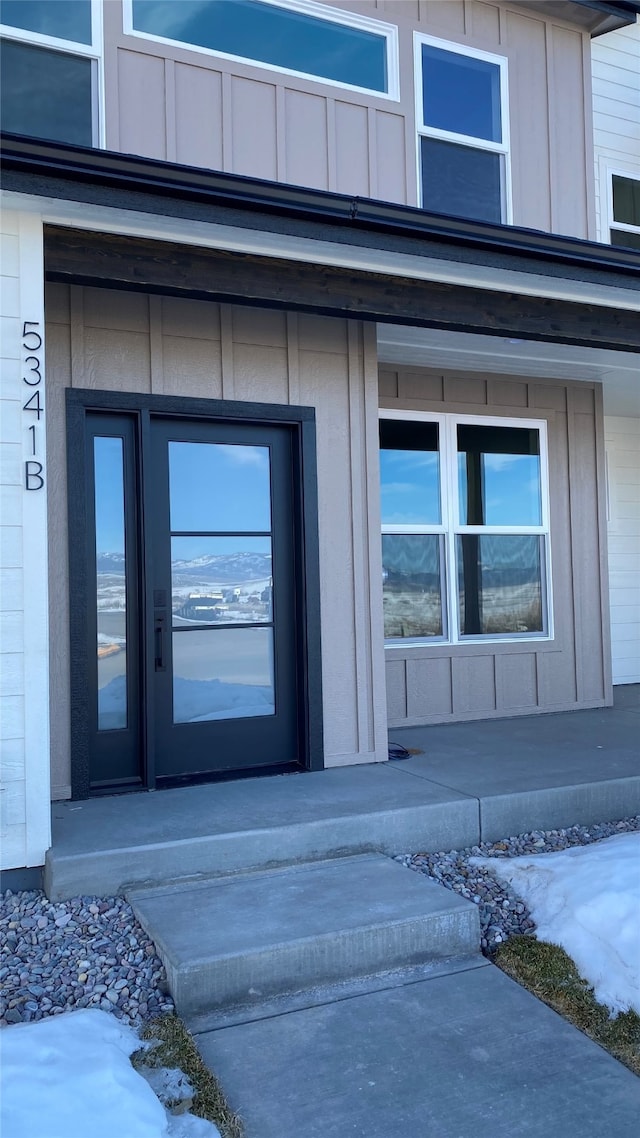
[
  {"x": 624, "y": 223},
  {"x": 299, "y": 37},
  {"x": 465, "y": 528},
  {"x": 49, "y": 75},
  {"x": 463, "y": 130}
]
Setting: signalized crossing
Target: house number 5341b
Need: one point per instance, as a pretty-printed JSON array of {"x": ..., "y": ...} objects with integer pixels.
[{"x": 33, "y": 404}]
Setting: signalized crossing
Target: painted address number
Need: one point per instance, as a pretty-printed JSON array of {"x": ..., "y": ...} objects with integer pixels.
[{"x": 33, "y": 405}]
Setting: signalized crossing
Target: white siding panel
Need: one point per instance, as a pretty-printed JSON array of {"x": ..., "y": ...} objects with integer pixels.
[
  {"x": 616, "y": 112},
  {"x": 622, "y": 440},
  {"x": 24, "y": 674}
]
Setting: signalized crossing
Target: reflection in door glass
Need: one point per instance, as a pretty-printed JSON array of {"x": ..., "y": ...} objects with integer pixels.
[
  {"x": 222, "y": 673},
  {"x": 221, "y": 580},
  {"x": 110, "y": 583},
  {"x": 219, "y": 487}
]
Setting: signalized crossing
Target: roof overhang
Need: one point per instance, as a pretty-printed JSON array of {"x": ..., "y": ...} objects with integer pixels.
[
  {"x": 354, "y": 257},
  {"x": 594, "y": 16}
]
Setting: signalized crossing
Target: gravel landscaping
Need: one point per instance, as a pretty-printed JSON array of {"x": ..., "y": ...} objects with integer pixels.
[
  {"x": 92, "y": 952},
  {"x": 89, "y": 952},
  {"x": 502, "y": 913}
]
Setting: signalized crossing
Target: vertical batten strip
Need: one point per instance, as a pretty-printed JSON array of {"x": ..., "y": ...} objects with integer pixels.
[
  {"x": 170, "y": 110},
  {"x": 293, "y": 358},
  {"x": 76, "y": 331},
  {"x": 358, "y": 526},
  {"x": 226, "y": 351},
  {"x": 156, "y": 357}
]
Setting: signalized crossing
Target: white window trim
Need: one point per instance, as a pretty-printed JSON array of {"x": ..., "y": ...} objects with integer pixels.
[
  {"x": 93, "y": 51},
  {"x": 425, "y": 131},
  {"x": 309, "y": 8},
  {"x": 451, "y": 526},
  {"x": 632, "y": 173}
]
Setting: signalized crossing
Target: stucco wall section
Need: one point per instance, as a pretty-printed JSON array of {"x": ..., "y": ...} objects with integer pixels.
[
  {"x": 622, "y": 440},
  {"x": 133, "y": 342},
  {"x": 439, "y": 682},
  {"x": 24, "y": 719}
]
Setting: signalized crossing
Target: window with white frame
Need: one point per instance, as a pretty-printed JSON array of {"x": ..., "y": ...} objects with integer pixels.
[
  {"x": 298, "y": 37},
  {"x": 465, "y": 528},
  {"x": 624, "y": 211},
  {"x": 463, "y": 130},
  {"x": 49, "y": 76}
]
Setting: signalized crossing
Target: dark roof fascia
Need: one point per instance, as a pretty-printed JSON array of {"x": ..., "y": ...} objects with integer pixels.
[
  {"x": 102, "y": 177},
  {"x": 616, "y": 15}
]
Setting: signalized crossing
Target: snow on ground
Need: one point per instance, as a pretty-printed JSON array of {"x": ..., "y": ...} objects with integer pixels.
[
  {"x": 70, "y": 1077},
  {"x": 587, "y": 900}
]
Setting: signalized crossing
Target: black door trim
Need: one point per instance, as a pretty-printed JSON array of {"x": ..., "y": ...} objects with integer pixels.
[{"x": 301, "y": 421}]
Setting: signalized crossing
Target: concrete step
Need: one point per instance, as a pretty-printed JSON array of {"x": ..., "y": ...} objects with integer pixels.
[
  {"x": 243, "y": 939},
  {"x": 106, "y": 845}
]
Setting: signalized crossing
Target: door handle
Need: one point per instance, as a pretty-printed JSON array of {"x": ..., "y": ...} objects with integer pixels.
[{"x": 158, "y": 642}]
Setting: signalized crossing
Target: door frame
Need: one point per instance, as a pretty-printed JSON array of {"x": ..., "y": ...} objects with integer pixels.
[{"x": 301, "y": 423}]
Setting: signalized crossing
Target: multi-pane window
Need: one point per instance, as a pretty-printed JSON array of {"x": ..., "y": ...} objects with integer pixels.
[
  {"x": 463, "y": 135},
  {"x": 624, "y": 226},
  {"x": 297, "y": 36},
  {"x": 465, "y": 536},
  {"x": 50, "y": 56}
]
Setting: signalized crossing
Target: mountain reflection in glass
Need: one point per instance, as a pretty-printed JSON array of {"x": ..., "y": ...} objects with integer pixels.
[
  {"x": 409, "y": 473},
  {"x": 219, "y": 486},
  {"x": 499, "y": 476},
  {"x": 412, "y": 595},
  {"x": 222, "y": 673},
  {"x": 221, "y": 580},
  {"x": 110, "y": 583},
  {"x": 499, "y": 583}
]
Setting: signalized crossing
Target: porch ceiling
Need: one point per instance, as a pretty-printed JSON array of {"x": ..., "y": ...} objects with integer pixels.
[{"x": 619, "y": 372}]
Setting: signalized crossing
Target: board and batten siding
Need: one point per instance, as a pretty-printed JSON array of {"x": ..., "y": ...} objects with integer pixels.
[
  {"x": 622, "y": 441},
  {"x": 616, "y": 112},
  {"x": 174, "y": 103},
  {"x": 120, "y": 341},
  {"x": 24, "y": 675},
  {"x": 438, "y": 683}
]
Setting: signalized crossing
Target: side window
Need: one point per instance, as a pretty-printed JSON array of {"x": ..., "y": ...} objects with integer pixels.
[
  {"x": 465, "y": 529},
  {"x": 463, "y": 134},
  {"x": 50, "y": 56},
  {"x": 624, "y": 221}
]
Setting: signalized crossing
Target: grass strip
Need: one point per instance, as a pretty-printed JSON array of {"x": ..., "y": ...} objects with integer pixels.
[
  {"x": 176, "y": 1048},
  {"x": 547, "y": 971}
]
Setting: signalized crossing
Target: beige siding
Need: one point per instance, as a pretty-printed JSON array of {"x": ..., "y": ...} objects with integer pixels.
[
  {"x": 623, "y": 477},
  {"x": 171, "y": 102},
  {"x": 439, "y": 682},
  {"x": 169, "y": 346}
]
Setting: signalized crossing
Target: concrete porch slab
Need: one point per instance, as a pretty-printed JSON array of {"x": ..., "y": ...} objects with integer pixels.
[
  {"x": 105, "y": 845},
  {"x": 242, "y": 939},
  {"x": 537, "y": 772},
  {"x": 469, "y": 1054}
]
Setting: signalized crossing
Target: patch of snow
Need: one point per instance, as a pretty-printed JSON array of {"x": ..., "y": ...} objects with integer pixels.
[
  {"x": 587, "y": 900},
  {"x": 70, "y": 1077}
]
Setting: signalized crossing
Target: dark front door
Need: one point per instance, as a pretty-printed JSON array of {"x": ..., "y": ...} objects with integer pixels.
[{"x": 197, "y": 652}]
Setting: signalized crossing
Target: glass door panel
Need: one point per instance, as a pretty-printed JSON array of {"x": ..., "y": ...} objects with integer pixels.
[
  {"x": 224, "y": 596},
  {"x": 221, "y": 580},
  {"x": 111, "y": 595},
  {"x": 222, "y": 673}
]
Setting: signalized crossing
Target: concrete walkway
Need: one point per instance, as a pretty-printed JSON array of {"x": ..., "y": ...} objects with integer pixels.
[{"x": 464, "y": 1054}]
